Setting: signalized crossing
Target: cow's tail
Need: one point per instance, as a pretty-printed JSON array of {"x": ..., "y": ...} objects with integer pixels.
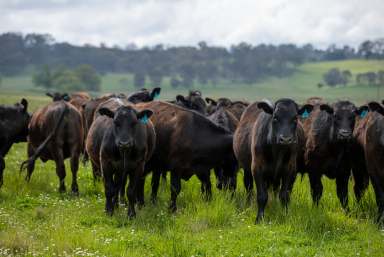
[{"x": 31, "y": 161}]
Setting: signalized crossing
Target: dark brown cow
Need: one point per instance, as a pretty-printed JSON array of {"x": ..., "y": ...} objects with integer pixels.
[
  {"x": 226, "y": 175},
  {"x": 187, "y": 144},
  {"x": 370, "y": 134},
  {"x": 266, "y": 146},
  {"x": 13, "y": 129},
  {"x": 56, "y": 133},
  {"x": 236, "y": 107},
  {"x": 194, "y": 101},
  {"x": 329, "y": 148},
  {"x": 119, "y": 143}
]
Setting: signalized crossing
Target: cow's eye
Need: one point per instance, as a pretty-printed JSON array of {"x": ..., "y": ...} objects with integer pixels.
[{"x": 275, "y": 119}]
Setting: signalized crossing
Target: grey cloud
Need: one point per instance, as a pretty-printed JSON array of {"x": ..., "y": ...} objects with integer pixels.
[{"x": 181, "y": 22}]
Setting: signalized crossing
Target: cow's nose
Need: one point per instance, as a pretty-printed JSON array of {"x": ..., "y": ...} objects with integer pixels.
[
  {"x": 285, "y": 140},
  {"x": 125, "y": 144},
  {"x": 345, "y": 133}
]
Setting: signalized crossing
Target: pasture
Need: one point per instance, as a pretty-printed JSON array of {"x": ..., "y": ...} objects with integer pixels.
[{"x": 35, "y": 220}]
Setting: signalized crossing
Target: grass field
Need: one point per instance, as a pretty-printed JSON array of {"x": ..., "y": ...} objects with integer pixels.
[{"x": 35, "y": 220}]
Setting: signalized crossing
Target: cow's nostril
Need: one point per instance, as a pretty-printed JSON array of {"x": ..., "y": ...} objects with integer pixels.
[{"x": 285, "y": 140}]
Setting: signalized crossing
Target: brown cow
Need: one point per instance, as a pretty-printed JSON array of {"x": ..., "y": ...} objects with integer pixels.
[
  {"x": 187, "y": 144},
  {"x": 56, "y": 133},
  {"x": 266, "y": 146},
  {"x": 79, "y": 99}
]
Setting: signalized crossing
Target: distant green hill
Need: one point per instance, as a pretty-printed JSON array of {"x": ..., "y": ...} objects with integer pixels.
[{"x": 300, "y": 85}]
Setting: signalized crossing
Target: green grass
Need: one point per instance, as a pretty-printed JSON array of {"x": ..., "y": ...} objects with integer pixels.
[
  {"x": 301, "y": 85},
  {"x": 35, "y": 220}
]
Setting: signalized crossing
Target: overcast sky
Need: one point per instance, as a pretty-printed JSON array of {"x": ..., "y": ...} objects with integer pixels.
[{"x": 186, "y": 22}]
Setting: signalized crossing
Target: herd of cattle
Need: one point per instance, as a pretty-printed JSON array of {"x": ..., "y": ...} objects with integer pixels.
[{"x": 131, "y": 136}]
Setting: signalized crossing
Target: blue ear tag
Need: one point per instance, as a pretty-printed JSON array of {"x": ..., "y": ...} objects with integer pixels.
[
  {"x": 144, "y": 119},
  {"x": 305, "y": 114},
  {"x": 363, "y": 113},
  {"x": 156, "y": 95}
]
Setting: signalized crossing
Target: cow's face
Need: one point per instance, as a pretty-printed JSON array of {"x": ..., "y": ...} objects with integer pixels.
[
  {"x": 343, "y": 119},
  {"x": 284, "y": 120},
  {"x": 144, "y": 95},
  {"x": 127, "y": 124}
]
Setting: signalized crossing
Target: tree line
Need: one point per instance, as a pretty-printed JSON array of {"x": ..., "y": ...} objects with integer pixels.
[
  {"x": 184, "y": 65},
  {"x": 335, "y": 77}
]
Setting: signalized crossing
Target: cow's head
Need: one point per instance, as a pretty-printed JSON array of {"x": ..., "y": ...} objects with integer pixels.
[
  {"x": 343, "y": 119},
  {"x": 194, "y": 101},
  {"x": 58, "y": 96},
  {"x": 128, "y": 125},
  {"x": 21, "y": 121},
  {"x": 284, "y": 119},
  {"x": 144, "y": 95}
]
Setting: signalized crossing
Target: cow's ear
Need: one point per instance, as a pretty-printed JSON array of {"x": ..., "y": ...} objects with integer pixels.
[
  {"x": 266, "y": 107},
  {"x": 210, "y": 101},
  {"x": 362, "y": 111},
  {"x": 66, "y": 97},
  {"x": 305, "y": 110},
  {"x": 327, "y": 108},
  {"x": 181, "y": 98},
  {"x": 24, "y": 103},
  {"x": 144, "y": 115},
  {"x": 107, "y": 112},
  {"x": 376, "y": 107},
  {"x": 155, "y": 93},
  {"x": 49, "y": 94}
]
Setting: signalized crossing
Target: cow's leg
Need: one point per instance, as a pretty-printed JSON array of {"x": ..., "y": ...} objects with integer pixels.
[
  {"x": 361, "y": 179},
  {"x": 109, "y": 188},
  {"x": 378, "y": 186},
  {"x": 60, "y": 168},
  {"x": 155, "y": 181},
  {"x": 75, "y": 154},
  {"x": 95, "y": 172},
  {"x": 175, "y": 190},
  {"x": 229, "y": 175},
  {"x": 206, "y": 187},
  {"x": 2, "y": 167},
  {"x": 287, "y": 182},
  {"x": 131, "y": 193},
  {"x": 342, "y": 189},
  {"x": 219, "y": 178},
  {"x": 122, "y": 187},
  {"x": 140, "y": 184},
  {"x": 248, "y": 184},
  {"x": 31, "y": 164},
  {"x": 316, "y": 187},
  {"x": 262, "y": 195}
]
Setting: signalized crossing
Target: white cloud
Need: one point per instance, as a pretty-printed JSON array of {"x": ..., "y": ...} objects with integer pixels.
[{"x": 182, "y": 22}]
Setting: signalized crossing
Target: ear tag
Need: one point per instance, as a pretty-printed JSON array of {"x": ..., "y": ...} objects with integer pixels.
[
  {"x": 144, "y": 119},
  {"x": 363, "y": 113},
  {"x": 156, "y": 95},
  {"x": 305, "y": 114}
]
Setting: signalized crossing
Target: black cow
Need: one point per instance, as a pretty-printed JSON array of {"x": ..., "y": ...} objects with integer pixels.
[
  {"x": 187, "y": 144},
  {"x": 120, "y": 142},
  {"x": 266, "y": 145},
  {"x": 13, "y": 129},
  {"x": 331, "y": 148}
]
